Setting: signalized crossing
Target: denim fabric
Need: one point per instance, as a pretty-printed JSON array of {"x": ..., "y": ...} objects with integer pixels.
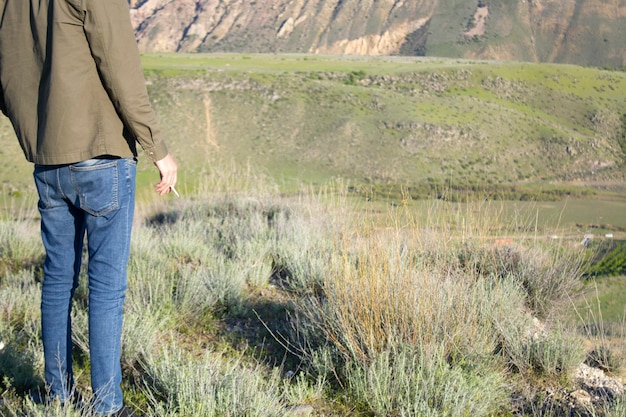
[{"x": 93, "y": 198}]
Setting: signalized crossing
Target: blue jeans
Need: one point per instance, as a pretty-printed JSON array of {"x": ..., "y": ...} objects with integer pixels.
[{"x": 95, "y": 198}]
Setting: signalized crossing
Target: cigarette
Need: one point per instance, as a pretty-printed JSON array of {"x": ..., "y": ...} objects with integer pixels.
[{"x": 174, "y": 191}]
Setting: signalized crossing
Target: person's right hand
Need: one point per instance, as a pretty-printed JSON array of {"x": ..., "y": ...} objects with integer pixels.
[{"x": 167, "y": 169}]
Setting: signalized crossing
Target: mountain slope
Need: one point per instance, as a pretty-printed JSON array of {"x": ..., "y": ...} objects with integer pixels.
[{"x": 585, "y": 32}]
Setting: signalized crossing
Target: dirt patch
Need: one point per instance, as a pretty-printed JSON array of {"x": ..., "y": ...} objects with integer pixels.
[{"x": 479, "y": 23}]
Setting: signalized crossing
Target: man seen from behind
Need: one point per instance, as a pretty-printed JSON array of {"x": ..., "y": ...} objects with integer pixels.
[{"x": 72, "y": 86}]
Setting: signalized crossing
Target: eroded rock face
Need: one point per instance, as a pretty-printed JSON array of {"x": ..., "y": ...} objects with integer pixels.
[
  {"x": 354, "y": 27},
  {"x": 552, "y": 30}
]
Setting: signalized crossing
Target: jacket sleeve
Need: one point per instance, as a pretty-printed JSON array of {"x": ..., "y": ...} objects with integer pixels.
[{"x": 113, "y": 46}]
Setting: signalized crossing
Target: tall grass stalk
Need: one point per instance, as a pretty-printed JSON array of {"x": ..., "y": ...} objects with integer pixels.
[
  {"x": 227, "y": 178},
  {"x": 607, "y": 340},
  {"x": 21, "y": 359},
  {"x": 381, "y": 295},
  {"x": 20, "y": 246}
]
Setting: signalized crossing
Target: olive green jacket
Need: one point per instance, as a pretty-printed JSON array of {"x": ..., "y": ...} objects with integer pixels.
[{"x": 72, "y": 83}]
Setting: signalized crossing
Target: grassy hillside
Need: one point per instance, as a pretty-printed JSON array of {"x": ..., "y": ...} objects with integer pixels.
[
  {"x": 414, "y": 122},
  {"x": 513, "y": 130},
  {"x": 581, "y": 31}
]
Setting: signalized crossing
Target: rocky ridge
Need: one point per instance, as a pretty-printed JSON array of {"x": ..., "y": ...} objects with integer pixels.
[{"x": 587, "y": 32}]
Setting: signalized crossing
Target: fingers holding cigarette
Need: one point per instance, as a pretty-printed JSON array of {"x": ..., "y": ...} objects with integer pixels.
[{"x": 167, "y": 169}]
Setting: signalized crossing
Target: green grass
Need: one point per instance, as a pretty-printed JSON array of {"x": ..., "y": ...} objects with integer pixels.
[
  {"x": 293, "y": 63},
  {"x": 608, "y": 294}
]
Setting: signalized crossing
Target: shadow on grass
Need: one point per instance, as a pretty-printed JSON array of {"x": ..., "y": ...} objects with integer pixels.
[
  {"x": 263, "y": 330},
  {"x": 18, "y": 370}
]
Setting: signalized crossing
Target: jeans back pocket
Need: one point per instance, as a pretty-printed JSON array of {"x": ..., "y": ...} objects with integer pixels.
[{"x": 97, "y": 184}]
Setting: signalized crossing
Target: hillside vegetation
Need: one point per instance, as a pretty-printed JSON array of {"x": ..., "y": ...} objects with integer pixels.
[
  {"x": 419, "y": 123},
  {"x": 515, "y": 130},
  {"x": 542, "y": 130},
  {"x": 583, "y": 32},
  {"x": 244, "y": 302}
]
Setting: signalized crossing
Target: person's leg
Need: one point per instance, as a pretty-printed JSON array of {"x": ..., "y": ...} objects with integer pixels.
[
  {"x": 62, "y": 235},
  {"x": 107, "y": 196}
]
